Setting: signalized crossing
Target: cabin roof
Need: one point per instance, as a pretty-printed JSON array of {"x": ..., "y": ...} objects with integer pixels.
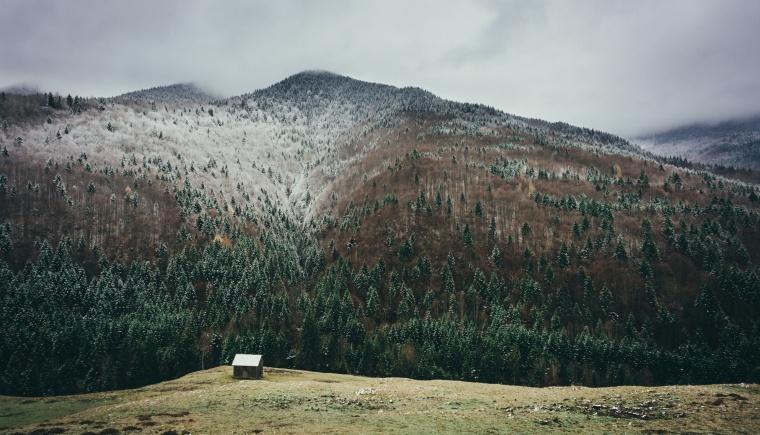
[{"x": 243, "y": 359}]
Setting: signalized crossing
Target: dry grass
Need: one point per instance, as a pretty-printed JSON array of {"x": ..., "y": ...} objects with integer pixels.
[{"x": 291, "y": 401}]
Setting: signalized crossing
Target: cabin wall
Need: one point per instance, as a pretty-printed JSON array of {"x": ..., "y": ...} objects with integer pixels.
[{"x": 247, "y": 372}]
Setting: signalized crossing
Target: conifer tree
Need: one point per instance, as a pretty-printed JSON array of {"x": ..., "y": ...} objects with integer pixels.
[
  {"x": 496, "y": 255},
  {"x": 668, "y": 229},
  {"x": 620, "y": 254},
  {"x": 643, "y": 180},
  {"x": 525, "y": 229},
  {"x": 606, "y": 301},
  {"x": 649, "y": 247},
  {"x": 478, "y": 209},
  {"x": 549, "y": 276},
  {"x": 563, "y": 258},
  {"x": 467, "y": 235}
]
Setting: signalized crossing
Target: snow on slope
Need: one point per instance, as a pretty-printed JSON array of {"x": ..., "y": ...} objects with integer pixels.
[
  {"x": 283, "y": 145},
  {"x": 730, "y": 143}
]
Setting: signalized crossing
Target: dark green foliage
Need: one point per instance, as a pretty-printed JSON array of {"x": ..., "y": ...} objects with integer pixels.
[
  {"x": 525, "y": 229},
  {"x": 478, "y": 209},
  {"x": 606, "y": 302},
  {"x": 649, "y": 246},
  {"x": 549, "y": 276},
  {"x": 6, "y": 244},
  {"x": 563, "y": 258},
  {"x": 620, "y": 253},
  {"x": 643, "y": 179},
  {"x": 668, "y": 230},
  {"x": 135, "y": 325},
  {"x": 576, "y": 230},
  {"x": 406, "y": 251},
  {"x": 467, "y": 235},
  {"x": 651, "y": 296}
]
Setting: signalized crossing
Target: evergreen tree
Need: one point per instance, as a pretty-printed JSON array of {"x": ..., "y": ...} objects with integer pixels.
[
  {"x": 549, "y": 276},
  {"x": 467, "y": 235},
  {"x": 606, "y": 301},
  {"x": 643, "y": 180},
  {"x": 651, "y": 296},
  {"x": 6, "y": 245},
  {"x": 525, "y": 229},
  {"x": 630, "y": 325},
  {"x": 585, "y": 224},
  {"x": 496, "y": 255},
  {"x": 620, "y": 254},
  {"x": 588, "y": 247},
  {"x": 649, "y": 247},
  {"x": 563, "y": 258},
  {"x": 645, "y": 269},
  {"x": 478, "y": 209},
  {"x": 309, "y": 342},
  {"x": 576, "y": 230},
  {"x": 668, "y": 229},
  {"x": 406, "y": 251}
]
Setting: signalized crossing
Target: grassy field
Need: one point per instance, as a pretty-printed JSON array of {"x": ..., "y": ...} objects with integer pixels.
[{"x": 292, "y": 401}]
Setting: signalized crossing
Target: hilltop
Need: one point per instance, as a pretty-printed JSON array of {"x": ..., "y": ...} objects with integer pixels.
[
  {"x": 21, "y": 89},
  {"x": 182, "y": 92},
  {"x": 295, "y": 401},
  {"x": 344, "y": 226}
]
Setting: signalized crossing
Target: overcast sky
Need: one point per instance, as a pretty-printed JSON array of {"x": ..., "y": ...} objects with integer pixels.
[{"x": 627, "y": 67}]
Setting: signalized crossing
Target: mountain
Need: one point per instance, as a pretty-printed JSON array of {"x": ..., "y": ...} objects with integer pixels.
[
  {"x": 297, "y": 401},
  {"x": 345, "y": 226},
  {"x": 21, "y": 89},
  {"x": 181, "y": 92},
  {"x": 729, "y": 143}
]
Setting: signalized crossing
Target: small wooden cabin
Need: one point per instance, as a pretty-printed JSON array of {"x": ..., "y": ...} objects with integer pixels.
[{"x": 246, "y": 366}]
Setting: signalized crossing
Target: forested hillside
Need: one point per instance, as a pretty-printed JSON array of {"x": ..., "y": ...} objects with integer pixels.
[
  {"x": 337, "y": 225},
  {"x": 183, "y": 92}
]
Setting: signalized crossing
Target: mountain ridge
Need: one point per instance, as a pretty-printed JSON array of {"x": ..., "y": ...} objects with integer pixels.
[
  {"x": 179, "y": 92},
  {"x": 728, "y": 143}
]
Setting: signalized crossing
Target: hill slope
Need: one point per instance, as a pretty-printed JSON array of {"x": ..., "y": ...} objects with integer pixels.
[
  {"x": 294, "y": 401},
  {"x": 730, "y": 143},
  {"x": 180, "y": 92},
  {"x": 338, "y": 225}
]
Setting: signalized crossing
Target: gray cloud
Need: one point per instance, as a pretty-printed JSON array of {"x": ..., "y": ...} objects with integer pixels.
[{"x": 620, "y": 66}]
